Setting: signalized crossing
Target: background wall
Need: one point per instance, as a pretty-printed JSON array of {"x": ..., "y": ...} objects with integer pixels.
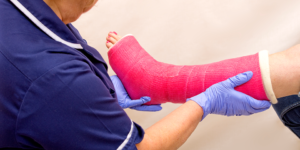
[{"x": 189, "y": 32}]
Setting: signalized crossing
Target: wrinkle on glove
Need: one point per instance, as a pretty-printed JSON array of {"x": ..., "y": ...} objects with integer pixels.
[{"x": 142, "y": 75}]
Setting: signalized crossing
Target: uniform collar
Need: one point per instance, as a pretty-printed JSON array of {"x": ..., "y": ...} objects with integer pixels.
[{"x": 44, "y": 17}]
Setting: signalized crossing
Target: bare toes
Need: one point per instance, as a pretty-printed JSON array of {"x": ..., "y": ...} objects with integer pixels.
[
  {"x": 109, "y": 45},
  {"x": 115, "y": 36},
  {"x": 111, "y": 40}
]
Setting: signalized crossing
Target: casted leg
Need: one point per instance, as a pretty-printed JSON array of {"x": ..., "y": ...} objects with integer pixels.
[{"x": 144, "y": 76}]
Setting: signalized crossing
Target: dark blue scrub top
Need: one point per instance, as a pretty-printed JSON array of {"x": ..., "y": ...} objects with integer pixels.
[{"x": 55, "y": 92}]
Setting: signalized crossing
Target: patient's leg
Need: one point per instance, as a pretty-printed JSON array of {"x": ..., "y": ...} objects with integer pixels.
[
  {"x": 144, "y": 76},
  {"x": 285, "y": 72}
]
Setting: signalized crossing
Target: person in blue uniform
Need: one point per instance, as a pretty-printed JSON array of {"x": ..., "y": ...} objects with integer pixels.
[{"x": 55, "y": 92}]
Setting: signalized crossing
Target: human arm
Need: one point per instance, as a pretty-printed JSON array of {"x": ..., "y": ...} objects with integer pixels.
[{"x": 173, "y": 130}]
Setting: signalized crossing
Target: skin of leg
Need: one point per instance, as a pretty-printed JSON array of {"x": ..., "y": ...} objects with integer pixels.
[
  {"x": 284, "y": 68},
  {"x": 285, "y": 71}
]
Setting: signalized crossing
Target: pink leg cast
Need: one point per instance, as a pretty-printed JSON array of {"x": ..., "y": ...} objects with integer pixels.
[{"x": 142, "y": 75}]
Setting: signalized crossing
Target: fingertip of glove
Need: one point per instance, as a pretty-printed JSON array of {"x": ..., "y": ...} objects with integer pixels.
[
  {"x": 146, "y": 98},
  {"x": 266, "y": 104},
  {"x": 159, "y": 108},
  {"x": 156, "y": 107},
  {"x": 248, "y": 74},
  {"x": 151, "y": 108},
  {"x": 261, "y": 104},
  {"x": 241, "y": 78},
  {"x": 245, "y": 76}
]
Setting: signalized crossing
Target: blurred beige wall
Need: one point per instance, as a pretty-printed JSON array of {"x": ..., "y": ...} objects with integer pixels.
[{"x": 188, "y": 32}]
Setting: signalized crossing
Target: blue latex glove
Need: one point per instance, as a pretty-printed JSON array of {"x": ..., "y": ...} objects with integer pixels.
[
  {"x": 125, "y": 101},
  {"x": 223, "y": 99}
]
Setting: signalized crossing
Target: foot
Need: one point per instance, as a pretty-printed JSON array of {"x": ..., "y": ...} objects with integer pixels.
[{"x": 112, "y": 38}]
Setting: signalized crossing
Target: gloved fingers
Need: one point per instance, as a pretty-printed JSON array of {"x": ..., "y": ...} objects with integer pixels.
[
  {"x": 257, "y": 105},
  {"x": 148, "y": 108},
  {"x": 142, "y": 100},
  {"x": 114, "y": 77},
  {"x": 116, "y": 82},
  {"x": 240, "y": 79},
  {"x": 119, "y": 87}
]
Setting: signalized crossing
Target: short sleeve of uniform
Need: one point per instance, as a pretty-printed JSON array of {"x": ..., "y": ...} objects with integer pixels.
[{"x": 70, "y": 107}]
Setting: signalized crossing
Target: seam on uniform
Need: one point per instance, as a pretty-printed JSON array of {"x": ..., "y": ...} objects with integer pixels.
[
  {"x": 32, "y": 83},
  {"x": 127, "y": 138},
  {"x": 15, "y": 66},
  {"x": 43, "y": 27},
  {"x": 84, "y": 101}
]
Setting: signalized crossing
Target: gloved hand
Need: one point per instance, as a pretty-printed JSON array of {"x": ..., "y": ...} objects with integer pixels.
[
  {"x": 125, "y": 101},
  {"x": 223, "y": 99}
]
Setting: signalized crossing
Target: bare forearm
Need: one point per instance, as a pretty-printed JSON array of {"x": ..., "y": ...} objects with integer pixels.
[{"x": 173, "y": 130}]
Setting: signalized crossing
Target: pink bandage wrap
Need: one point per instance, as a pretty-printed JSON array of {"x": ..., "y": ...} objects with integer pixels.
[{"x": 142, "y": 75}]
